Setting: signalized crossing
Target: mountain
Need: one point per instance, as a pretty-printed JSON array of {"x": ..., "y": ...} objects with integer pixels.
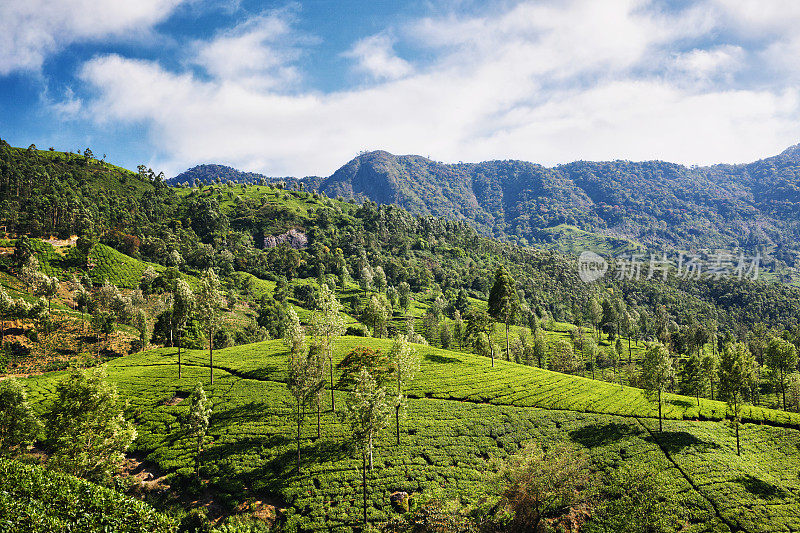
[
  {"x": 655, "y": 204},
  {"x": 652, "y": 202},
  {"x": 209, "y": 173}
]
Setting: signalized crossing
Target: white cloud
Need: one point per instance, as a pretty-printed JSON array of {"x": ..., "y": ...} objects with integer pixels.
[
  {"x": 706, "y": 65},
  {"x": 258, "y": 51},
  {"x": 544, "y": 81},
  {"x": 30, "y": 30},
  {"x": 376, "y": 57}
]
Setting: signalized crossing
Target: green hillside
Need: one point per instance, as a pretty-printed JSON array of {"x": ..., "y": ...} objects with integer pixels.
[{"x": 462, "y": 415}]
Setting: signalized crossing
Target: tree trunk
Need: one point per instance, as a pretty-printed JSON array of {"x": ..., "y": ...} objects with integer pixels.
[
  {"x": 660, "y": 427},
  {"x": 333, "y": 400},
  {"x": 364, "y": 485},
  {"x": 299, "y": 421},
  {"x": 397, "y": 420},
  {"x": 783, "y": 389},
  {"x": 491, "y": 349},
  {"x": 508, "y": 344},
  {"x": 211, "y": 353},
  {"x": 319, "y": 417},
  {"x": 179, "y": 355},
  {"x": 738, "y": 449},
  {"x": 370, "y": 453}
]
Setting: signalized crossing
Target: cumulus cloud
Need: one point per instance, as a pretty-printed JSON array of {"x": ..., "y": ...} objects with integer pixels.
[
  {"x": 259, "y": 52},
  {"x": 375, "y": 56},
  {"x": 30, "y": 30},
  {"x": 543, "y": 81}
]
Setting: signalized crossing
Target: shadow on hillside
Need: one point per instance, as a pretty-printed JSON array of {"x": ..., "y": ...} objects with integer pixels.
[
  {"x": 249, "y": 412},
  {"x": 599, "y": 435},
  {"x": 441, "y": 359},
  {"x": 684, "y": 404},
  {"x": 676, "y": 441},
  {"x": 760, "y": 488}
]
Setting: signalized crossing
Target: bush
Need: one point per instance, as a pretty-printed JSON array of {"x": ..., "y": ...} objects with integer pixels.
[{"x": 357, "y": 330}]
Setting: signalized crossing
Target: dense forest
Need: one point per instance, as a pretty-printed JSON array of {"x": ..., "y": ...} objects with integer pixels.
[{"x": 660, "y": 205}]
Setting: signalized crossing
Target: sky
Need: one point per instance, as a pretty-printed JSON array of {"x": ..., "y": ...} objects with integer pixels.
[{"x": 300, "y": 88}]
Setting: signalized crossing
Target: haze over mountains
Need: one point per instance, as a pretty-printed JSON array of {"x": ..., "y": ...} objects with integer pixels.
[{"x": 656, "y": 203}]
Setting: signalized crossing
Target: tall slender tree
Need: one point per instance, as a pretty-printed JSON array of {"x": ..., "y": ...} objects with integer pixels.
[
  {"x": 200, "y": 410},
  {"x": 327, "y": 324},
  {"x": 367, "y": 412},
  {"x": 736, "y": 375},
  {"x": 209, "y": 303},
  {"x": 657, "y": 373},
  {"x": 405, "y": 362},
  {"x": 182, "y": 308},
  {"x": 782, "y": 359},
  {"x": 504, "y": 302}
]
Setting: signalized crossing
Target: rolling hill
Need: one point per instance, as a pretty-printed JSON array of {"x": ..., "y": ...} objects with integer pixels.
[{"x": 462, "y": 416}]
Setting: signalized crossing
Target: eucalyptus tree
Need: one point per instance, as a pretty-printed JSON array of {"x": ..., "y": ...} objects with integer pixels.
[
  {"x": 182, "y": 308},
  {"x": 657, "y": 373},
  {"x": 736, "y": 375},
  {"x": 405, "y": 362},
  {"x": 209, "y": 303}
]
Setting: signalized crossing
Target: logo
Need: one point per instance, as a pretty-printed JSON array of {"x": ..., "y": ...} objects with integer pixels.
[{"x": 591, "y": 266}]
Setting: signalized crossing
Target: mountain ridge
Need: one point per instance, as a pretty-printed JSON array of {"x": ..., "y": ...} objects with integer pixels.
[{"x": 660, "y": 204}]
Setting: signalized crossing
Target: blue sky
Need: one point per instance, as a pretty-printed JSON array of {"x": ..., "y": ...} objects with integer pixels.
[{"x": 299, "y": 88}]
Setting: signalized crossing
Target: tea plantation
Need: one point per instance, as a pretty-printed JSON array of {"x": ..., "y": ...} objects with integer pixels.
[
  {"x": 462, "y": 416},
  {"x": 35, "y": 499}
]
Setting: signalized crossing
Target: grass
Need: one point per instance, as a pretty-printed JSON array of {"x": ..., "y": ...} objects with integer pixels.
[{"x": 463, "y": 414}]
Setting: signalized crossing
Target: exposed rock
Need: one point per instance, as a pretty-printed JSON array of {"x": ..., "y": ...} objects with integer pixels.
[
  {"x": 400, "y": 501},
  {"x": 294, "y": 238}
]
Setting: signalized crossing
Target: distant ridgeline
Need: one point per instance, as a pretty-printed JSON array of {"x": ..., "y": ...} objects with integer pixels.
[{"x": 607, "y": 206}]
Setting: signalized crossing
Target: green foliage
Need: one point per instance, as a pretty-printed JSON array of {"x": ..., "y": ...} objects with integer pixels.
[
  {"x": 86, "y": 430},
  {"x": 37, "y": 500},
  {"x": 18, "y": 424}
]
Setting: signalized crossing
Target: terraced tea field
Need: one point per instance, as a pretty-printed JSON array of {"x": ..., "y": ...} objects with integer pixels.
[{"x": 463, "y": 414}]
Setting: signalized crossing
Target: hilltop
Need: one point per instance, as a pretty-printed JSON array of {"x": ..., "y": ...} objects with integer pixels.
[{"x": 653, "y": 203}]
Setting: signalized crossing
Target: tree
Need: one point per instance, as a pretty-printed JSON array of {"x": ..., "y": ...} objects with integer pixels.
[
  {"x": 534, "y": 483},
  {"x": 82, "y": 301},
  {"x": 595, "y": 314},
  {"x": 736, "y": 375},
  {"x": 198, "y": 421},
  {"x": 458, "y": 329},
  {"x": 782, "y": 359},
  {"x": 540, "y": 347},
  {"x": 376, "y": 314},
  {"x": 47, "y": 287},
  {"x": 692, "y": 376},
  {"x": 614, "y": 358},
  {"x": 209, "y": 303},
  {"x": 86, "y": 428},
  {"x": 563, "y": 358},
  {"x": 182, "y": 307},
  {"x": 366, "y": 279},
  {"x": 367, "y": 413},
  {"x": 327, "y": 324},
  {"x": 405, "y": 362},
  {"x": 504, "y": 301},
  {"x": 480, "y": 326},
  {"x": 6, "y": 304},
  {"x": 140, "y": 322},
  {"x": 404, "y": 295},
  {"x": 18, "y": 423},
  {"x": 709, "y": 364},
  {"x": 657, "y": 373},
  {"x": 380, "y": 279}
]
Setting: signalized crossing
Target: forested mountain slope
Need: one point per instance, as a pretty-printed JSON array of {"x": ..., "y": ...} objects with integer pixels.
[{"x": 655, "y": 203}]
